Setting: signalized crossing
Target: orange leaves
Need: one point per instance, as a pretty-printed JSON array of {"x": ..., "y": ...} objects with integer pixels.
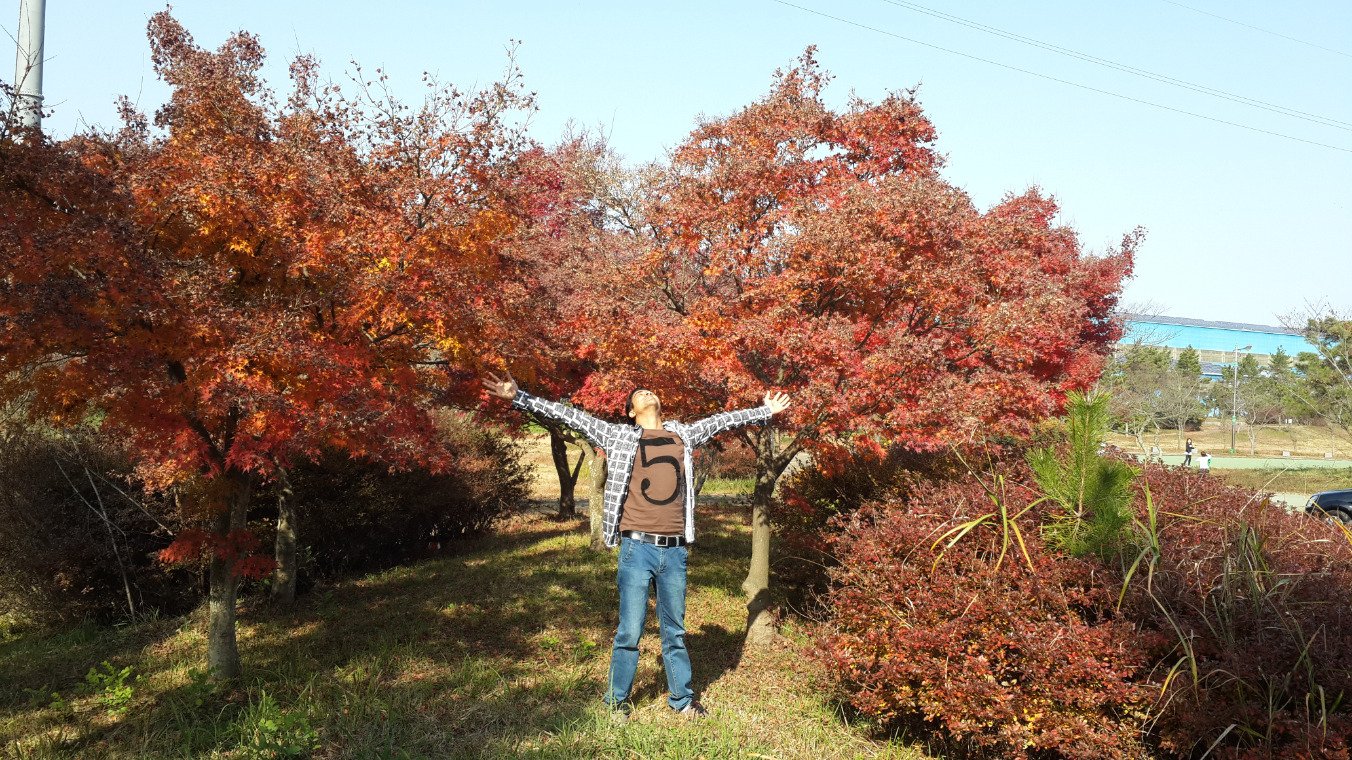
[
  {"x": 262, "y": 281},
  {"x": 793, "y": 246}
]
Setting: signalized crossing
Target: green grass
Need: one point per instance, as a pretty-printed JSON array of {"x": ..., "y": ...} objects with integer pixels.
[
  {"x": 500, "y": 651},
  {"x": 1295, "y": 480},
  {"x": 728, "y": 487}
]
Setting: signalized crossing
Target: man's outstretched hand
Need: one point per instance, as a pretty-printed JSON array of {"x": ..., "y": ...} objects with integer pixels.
[
  {"x": 502, "y": 387},
  {"x": 777, "y": 402}
]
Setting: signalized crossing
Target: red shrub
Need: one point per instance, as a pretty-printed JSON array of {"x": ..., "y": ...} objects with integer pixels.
[
  {"x": 1264, "y": 601},
  {"x": 1236, "y": 625},
  {"x": 839, "y": 481},
  {"x": 1015, "y": 660}
]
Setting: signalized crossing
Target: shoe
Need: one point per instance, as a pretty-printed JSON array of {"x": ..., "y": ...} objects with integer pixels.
[
  {"x": 619, "y": 714},
  {"x": 694, "y": 711}
]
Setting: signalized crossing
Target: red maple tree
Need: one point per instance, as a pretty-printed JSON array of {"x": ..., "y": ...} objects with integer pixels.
[
  {"x": 253, "y": 282},
  {"x": 819, "y": 252}
]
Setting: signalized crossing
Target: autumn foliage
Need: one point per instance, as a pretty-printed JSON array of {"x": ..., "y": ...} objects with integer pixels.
[
  {"x": 1232, "y": 629},
  {"x": 1264, "y": 603},
  {"x": 798, "y": 247},
  {"x": 1014, "y": 655},
  {"x": 248, "y": 284},
  {"x": 239, "y": 286}
]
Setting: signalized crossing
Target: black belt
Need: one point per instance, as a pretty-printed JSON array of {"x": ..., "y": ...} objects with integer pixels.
[{"x": 653, "y": 538}]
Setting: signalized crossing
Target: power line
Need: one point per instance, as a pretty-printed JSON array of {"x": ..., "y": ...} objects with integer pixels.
[
  {"x": 1165, "y": 78},
  {"x": 1260, "y": 29},
  {"x": 1064, "y": 81}
]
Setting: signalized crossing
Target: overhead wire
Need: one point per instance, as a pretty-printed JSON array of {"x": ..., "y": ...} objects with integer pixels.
[
  {"x": 1126, "y": 68},
  {"x": 1260, "y": 29},
  {"x": 1051, "y": 78}
]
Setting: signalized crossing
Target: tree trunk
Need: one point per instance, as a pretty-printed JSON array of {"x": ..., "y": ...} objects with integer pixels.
[
  {"x": 284, "y": 550},
  {"x": 222, "y": 653},
  {"x": 760, "y": 625},
  {"x": 558, "y": 449},
  {"x": 596, "y": 500},
  {"x": 1139, "y": 435}
]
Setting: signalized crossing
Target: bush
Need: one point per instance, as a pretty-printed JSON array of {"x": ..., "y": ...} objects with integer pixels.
[
  {"x": 734, "y": 460},
  {"x": 1219, "y": 619},
  {"x": 359, "y": 516},
  {"x": 840, "y": 481},
  {"x": 77, "y": 535},
  {"x": 1251, "y": 612},
  {"x": 987, "y": 636},
  {"x": 814, "y": 499}
]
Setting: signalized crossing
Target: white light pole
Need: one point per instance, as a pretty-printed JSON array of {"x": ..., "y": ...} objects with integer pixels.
[
  {"x": 1234, "y": 401},
  {"x": 28, "y": 63}
]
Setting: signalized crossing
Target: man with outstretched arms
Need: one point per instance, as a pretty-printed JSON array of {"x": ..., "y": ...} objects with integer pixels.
[{"x": 649, "y": 512}]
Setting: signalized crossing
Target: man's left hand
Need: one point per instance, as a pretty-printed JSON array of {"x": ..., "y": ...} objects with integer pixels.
[{"x": 777, "y": 402}]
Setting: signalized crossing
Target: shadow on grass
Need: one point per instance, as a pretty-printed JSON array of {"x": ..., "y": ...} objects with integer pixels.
[
  {"x": 505, "y": 641},
  {"x": 33, "y": 666}
]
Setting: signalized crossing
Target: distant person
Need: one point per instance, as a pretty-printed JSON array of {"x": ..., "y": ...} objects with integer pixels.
[
  {"x": 1204, "y": 463},
  {"x": 649, "y": 512},
  {"x": 1188, "y": 448},
  {"x": 1155, "y": 454}
]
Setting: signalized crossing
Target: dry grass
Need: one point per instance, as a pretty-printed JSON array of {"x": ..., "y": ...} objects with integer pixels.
[
  {"x": 1272, "y": 440},
  {"x": 1296, "y": 480},
  {"x": 499, "y": 651}
]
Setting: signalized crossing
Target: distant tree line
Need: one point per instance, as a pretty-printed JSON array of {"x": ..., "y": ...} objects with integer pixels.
[{"x": 1153, "y": 391}]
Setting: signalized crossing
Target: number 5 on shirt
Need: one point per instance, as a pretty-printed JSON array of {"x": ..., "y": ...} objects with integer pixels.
[{"x": 670, "y": 461}]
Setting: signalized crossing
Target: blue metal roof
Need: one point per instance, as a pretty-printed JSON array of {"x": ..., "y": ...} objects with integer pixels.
[
  {"x": 1206, "y": 335},
  {"x": 1160, "y": 319}
]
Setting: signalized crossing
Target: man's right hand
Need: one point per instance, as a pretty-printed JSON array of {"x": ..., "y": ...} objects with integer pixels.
[{"x": 504, "y": 388}]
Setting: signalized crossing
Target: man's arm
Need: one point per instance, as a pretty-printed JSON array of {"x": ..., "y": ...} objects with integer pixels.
[
  {"x": 593, "y": 429},
  {"x": 700, "y": 432}
]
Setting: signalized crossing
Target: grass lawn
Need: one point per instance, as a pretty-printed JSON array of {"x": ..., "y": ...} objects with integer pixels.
[
  {"x": 1306, "y": 480},
  {"x": 498, "y": 651},
  {"x": 1271, "y": 440}
]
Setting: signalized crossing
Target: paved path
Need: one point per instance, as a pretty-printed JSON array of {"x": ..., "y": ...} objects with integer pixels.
[
  {"x": 1293, "y": 501},
  {"x": 1226, "y": 462}
]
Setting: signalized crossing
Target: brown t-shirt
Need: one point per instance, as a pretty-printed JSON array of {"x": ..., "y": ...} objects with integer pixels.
[{"x": 655, "y": 501}]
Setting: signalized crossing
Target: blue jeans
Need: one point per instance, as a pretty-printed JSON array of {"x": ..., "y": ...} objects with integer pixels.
[{"x": 641, "y": 563}]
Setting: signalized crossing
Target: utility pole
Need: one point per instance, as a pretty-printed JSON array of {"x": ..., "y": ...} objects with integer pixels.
[
  {"x": 1234, "y": 401},
  {"x": 28, "y": 63}
]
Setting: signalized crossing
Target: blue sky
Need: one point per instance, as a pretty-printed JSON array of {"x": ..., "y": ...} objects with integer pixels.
[{"x": 1242, "y": 226}]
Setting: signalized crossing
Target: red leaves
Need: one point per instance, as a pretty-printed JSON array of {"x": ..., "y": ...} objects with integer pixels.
[
  {"x": 1019, "y": 660},
  {"x": 817, "y": 251},
  {"x": 1013, "y": 659},
  {"x": 259, "y": 282},
  {"x": 187, "y": 546},
  {"x": 1264, "y": 598},
  {"x": 235, "y": 548}
]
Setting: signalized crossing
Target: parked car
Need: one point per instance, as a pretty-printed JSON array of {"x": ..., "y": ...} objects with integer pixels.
[{"x": 1336, "y": 505}]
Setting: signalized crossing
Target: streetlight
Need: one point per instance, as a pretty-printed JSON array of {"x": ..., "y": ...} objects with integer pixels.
[
  {"x": 1234, "y": 401},
  {"x": 28, "y": 62}
]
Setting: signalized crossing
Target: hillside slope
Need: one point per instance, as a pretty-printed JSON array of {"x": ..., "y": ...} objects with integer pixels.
[{"x": 498, "y": 651}]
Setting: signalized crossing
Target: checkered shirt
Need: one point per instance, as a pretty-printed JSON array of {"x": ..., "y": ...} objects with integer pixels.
[{"x": 620, "y": 442}]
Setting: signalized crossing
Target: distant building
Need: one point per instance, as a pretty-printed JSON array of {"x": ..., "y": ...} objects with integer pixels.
[{"x": 1215, "y": 341}]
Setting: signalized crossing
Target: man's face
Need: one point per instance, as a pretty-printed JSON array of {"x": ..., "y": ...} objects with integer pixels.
[{"x": 644, "y": 399}]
